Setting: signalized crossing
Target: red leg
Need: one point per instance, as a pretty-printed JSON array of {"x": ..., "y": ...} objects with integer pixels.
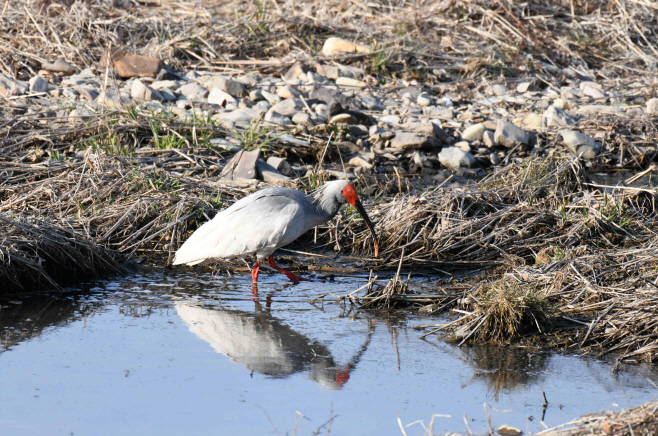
[
  {"x": 291, "y": 276},
  {"x": 254, "y": 272}
]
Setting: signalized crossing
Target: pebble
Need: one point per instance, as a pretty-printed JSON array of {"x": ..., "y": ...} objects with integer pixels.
[
  {"x": 454, "y": 158},
  {"x": 652, "y": 106},
  {"x": 287, "y": 92},
  {"x": 274, "y": 117},
  {"x": 268, "y": 173},
  {"x": 532, "y": 120},
  {"x": 10, "y": 87},
  {"x": 358, "y": 161},
  {"x": 509, "y": 135},
  {"x": 38, "y": 84},
  {"x": 141, "y": 92},
  {"x": 424, "y": 100},
  {"x": 390, "y": 119},
  {"x": 488, "y": 139},
  {"x": 88, "y": 94},
  {"x": 350, "y": 83},
  {"x": 494, "y": 158},
  {"x": 229, "y": 86},
  {"x": 474, "y": 132},
  {"x": 303, "y": 119},
  {"x": 556, "y": 117},
  {"x": 580, "y": 144},
  {"x": 281, "y": 165},
  {"x": 289, "y": 107},
  {"x": 80, "y": 115},
  {"x": 220, "y": 97},
  {"x": 600, "y": 109},
  {"x": 242, "y": 117},
  {"x": 593, "y": 92},
  {"x": 270, "y": 97},
  {"x": 335, "y": 45},
  {"x": 193, "y": 89},
  {"x": 60, "y": 66},
  {"x": 413, "y": 141}
]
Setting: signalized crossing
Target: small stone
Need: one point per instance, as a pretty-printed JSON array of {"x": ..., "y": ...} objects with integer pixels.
[
  {"x": 652, "y": 106},
  {"x": 532, "y": 120},
  {"x": 506, "y": 430},
  {"x": 88, "y": 94},
  {"x": 463, "y": 145},
  {"x": 474, "y": 132},
  {"x": 282, "y": 166},
  {"x": 192, "y": 89},
  {"x": 588, "y": 83},
  {"x": 241, "y": 117},
  {"x": 10, "y": 86},
  {"x": 454, "y": 158},
  {"x": 360, "y": 162},
  {"x": 523, "y": 87},
  {"x": 111, "y": 99},
  {"x": 424, "y": 100},
  {"x": 288, "y": 107},
  {"x": 287, "y": 91},
  {"x": 494, "y": 158},
  {"x": 297, "y": 71},
  {"x": 571, "y": 93},
  {"x": 580, "y": 144},
  {"x": 556, "y": 117},
  {"x": 229, "y": 86},
  {"x": 141, "y": 92},
  {"x": 60, "y": 66},
  {"x": 600, "y": 109},
  {"x": 499, "y": 90},
  {"x": 268, "y": 173},
  {"x": 159, "y": 84},
  {"x": 414, "y": 141},
  {"x": 302, "y": 119},
  {"x": 80, "y": 115},
  {"x": 250, "y": 79},
  {"x": 593, "y": 92},
  {"x": 508, "y": 135},
  {"x": 271, "y": 98},
  {"x": 276, "y": 118},
  {"x": 446, "y": 114},
  {"x": 346, "y": 82},
  {"x": 38, "y": 84},
  {"x": 241, "y": 166},
  {"x": 129, "y": 65},
  {"x": 167, "y": 94},
  {"x": 488, "y": 138},
  {"x": 217, "y": 96},
  {"x": 334, "y": 46},
  {"x": 390, "y": 119},
  {"x": 343, "y": 119}
]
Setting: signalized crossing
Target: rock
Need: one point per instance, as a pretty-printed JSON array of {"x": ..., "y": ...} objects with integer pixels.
[
  {"x": 390, "y": 119},
  {"x": 414, "y": 91},
  {"x": 580, "y": 144},
  {"x": 297, "y": 71},
  {"x": 463, "y": 145},
  {"x": 556, "y": 117},
  {"x": 523, "y": 87},
  {"x": 336, "y": 108},
  {"x": 217, "y": 96},
  {"x": 506, "y": 430},
  {"x": 414, "y": 141},
  {"x": 129, "y": 65},
  {"x": 9, "y": 87},
  {"x": 454, "y": 158},
  {"x": 250, "y": 79},
  {"x": 241, "y": 166},
  {"x": 334, "y": 46},
  {"x": 288, "y": 91},
  {"x": 499, "y": 90},
  {"x": 652, "y": 106},
  {"x": 276, "y": 118},
  {"x": 112, "y": 99},
  {"x": 350, "y": 83},
  {"x": 358, "y": 161},
  {"x": 159, "y": 84},
  {"x": 329, "y": 95},
  {"x": 428, "y": 128},
  {"x": 167, "y": 94},
  {"x": 488, "y": 138},
  {"x": 192, "y": 89},
  {"x": 60, "y": 66},
  {"x": 585, "y": 83},
  {"x": 241, "y": 117},
  {"x": 494, "y": 158},
  {"x": 289, "y": 107},
  {"x": 303, "y": 119},
  {"x": 593, "y": 92},
  {"x": 282, "y": 166},
  {"x": 225, "y": 145},
  {"x": 80, "y": 115},
  {"x": 474, "y": 132},
  {"x": 446, "y": 114},
  {"x": 423, "y": 100},
  {"x": 88, "y": 94},
  {"x": 268, "y": 173},
  {"x": 532, "y": 120},
  {"x": 571, "y": 93},
  {"x": 600, "y": 109},
  {"x": 141, "y": 92},
  {"x": 343, "y": 119},
  {"x": 38, "y": 84},
  {"x": 508, "y": 135},
  {"x": 289, "y": 139},
  {"x": 229, "y": 86}
]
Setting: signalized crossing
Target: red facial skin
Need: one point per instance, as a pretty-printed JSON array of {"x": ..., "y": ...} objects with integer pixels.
[{"x": 350, "y": 194}]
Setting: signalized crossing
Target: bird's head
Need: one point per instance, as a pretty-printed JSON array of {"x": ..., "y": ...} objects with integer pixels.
[{"x": 349, "y": 194}]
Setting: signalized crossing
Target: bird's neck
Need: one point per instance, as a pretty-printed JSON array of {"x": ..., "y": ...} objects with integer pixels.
[{"x": 326, "y": 208}]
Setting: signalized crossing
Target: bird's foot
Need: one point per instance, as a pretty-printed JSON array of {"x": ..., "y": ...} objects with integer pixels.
[{"x": 291, "y": 276}]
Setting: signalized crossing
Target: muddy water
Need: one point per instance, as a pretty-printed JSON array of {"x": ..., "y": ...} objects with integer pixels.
[{"x": 181, "y": 353}]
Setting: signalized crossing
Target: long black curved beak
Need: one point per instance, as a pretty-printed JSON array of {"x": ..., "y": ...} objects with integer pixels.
[{"x": 371, "y": 227}]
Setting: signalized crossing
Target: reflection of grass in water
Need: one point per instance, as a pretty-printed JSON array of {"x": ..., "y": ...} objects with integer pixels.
[{"x": 503, "y": 369}]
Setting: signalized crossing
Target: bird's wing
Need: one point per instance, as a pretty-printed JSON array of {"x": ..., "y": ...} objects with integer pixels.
[{"x": 261, "y": 222}]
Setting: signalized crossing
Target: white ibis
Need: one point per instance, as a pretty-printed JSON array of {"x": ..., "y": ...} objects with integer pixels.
[{"x": 266, "y": 220}]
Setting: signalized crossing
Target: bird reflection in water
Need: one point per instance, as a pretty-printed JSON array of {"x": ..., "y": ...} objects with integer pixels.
[{"x": 264, "y": 344}]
